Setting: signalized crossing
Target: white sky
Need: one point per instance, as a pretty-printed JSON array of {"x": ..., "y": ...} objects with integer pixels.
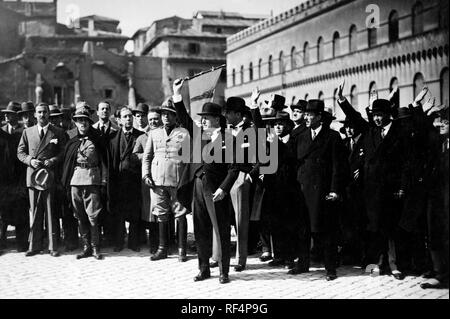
[{"x": 135, "y": 14}]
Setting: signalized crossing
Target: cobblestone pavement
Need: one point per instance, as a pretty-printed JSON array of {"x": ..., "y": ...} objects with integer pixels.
[{"x": 132, "y": 275}]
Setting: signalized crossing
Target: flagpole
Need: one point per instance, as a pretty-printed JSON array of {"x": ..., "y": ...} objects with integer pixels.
[{"x": 204, "y": 72}]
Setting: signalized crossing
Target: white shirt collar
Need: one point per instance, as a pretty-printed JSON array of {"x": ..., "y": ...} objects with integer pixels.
[
  {"x": 45, "y": 128},
  {"x": 285, "y": 138},
  {"x": 317, "y": 130},
  {"x": 386, "y": 128},
  {"x": 127, "y": 131}
]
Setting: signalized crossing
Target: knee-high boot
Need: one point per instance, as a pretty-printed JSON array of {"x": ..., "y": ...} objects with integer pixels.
[
  {"x": 95, "y": 240},
  {"x": 182, "y": 238},
  {"x": 87, "y": 249},
  {"x": 163, "y": 242},
  {"x": 153, "y": 237}
]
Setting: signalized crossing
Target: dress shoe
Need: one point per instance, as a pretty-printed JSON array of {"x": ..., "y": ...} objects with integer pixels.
[
  {"x": 87, "y": 252},
  {"x": 298, "y": 271},
  {"x": 55, "y": 253},
  {"x": 182, "y": 255},
  {"x": 160, "y": 254},
  {"x": 96, "y": 253},
  {"x": 32, "y": 253},
  {"x": 202, "y": 275},
  {"x": 239, "y": 267},
  {"x": 213, "y": 264},
  {"x": 398, "y": 275},
  {"x": 224, "y": 279},
  {"x": 289, "y": 264},
  {"x": 277, "y": 262},
  {"x": 265, "y": 257},
  {"x": 432, "y": 283},
  {"x": 331, "y": 275}
]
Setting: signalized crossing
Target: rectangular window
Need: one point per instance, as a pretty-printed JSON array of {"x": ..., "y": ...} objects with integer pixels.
[
  {"x": 194, "y": 48},
  {"x": 108, "y": 93}
]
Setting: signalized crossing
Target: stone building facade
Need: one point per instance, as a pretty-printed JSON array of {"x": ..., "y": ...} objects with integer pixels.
[{"x": 306, "y": 52}]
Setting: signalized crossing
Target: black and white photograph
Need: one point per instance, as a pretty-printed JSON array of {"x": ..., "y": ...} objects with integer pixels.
[{"x": 221, "y": 156}]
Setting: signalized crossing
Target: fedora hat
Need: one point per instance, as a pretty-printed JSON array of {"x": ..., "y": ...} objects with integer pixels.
[
  {"x": 277, "y": 102},
  {"x": 67, "y": 110},
  {"x": 211, "y": 109},
  {"x": 42, "y": 179},
  {"x": 279, "y": 116},
  {"x": 26, "y": 107},
  {"x": 167, "y": 106},
  {"x": 403, "y": 112},
  {"x": 316, "y": 106},
  {"x": 235, "y": 104},
  {"x": 55, "y": 111},
  {"x": 300, "y": 105},
  {"x": 381, "y": 106},
  {"x": 12, "y": 107},
  {"x": 82, "y": 112},
  {"x": 328, "y": 112},
  {"x": 140, "y": 108}
]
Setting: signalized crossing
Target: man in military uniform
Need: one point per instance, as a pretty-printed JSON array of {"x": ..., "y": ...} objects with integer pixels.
[
  {"x": 85, "y": 178},
  {"x": 162, "y": 168}
]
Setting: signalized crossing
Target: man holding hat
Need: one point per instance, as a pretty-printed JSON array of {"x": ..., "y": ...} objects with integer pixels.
[
  {"x": 206, "y": 185},
  {"x": 27, "y": 114},
  {"x": 162, "y": 167},
  {"x": 387, "y": 152},
  {"x": 140, "y": 117},
  {"x": 322, "y": 174},
  {"x": 85, "y": 178},
  {"x": 41, "y": 148}
]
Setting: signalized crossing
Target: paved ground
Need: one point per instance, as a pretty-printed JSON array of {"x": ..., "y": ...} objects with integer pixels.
[{"x": 132, "y": 275}]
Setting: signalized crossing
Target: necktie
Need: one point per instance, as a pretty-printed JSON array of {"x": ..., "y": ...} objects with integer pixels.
[
  {"x": 383, "y": 133},
  {"x": 127, "y": 136},
  {"x": 41, "y": 133},
  {"x": 352, "y": 144},
  {"x": 103, "y": 129},
  {"x": 313, "y": 134}
]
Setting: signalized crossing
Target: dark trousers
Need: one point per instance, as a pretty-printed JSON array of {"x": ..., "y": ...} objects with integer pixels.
[
  {"x": 211, "y": 217},
  {"x": 41, "y": 213},
  {"x": 328, "y": 241},
  {"x": 70, "y": 226},
  {"x": 376, "y": 246},
  {"x": 120, "y": 231}
]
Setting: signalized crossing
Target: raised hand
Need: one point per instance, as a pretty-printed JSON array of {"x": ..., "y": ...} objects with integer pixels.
[
  {"x": 373, "y": 96},
  {"x": 421, "y": 95},
  {"x": 341, "y": 90},
  {"x": 428, "y": 105},
  {"x": 177, "y": 85},
  {"x": 255, "y": 95}
]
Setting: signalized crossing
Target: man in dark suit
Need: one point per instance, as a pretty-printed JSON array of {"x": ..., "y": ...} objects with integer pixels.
[
  {"x": 298, "y": 116},
  {"x": 42, "y": 146},
  {"x": 125, "y": 182},
  {"x": 322, "y": 174},
  {"x": 16, "y": 195},
  {"x": 206, "y": 185},
  {"x": 386, "y": 151}
]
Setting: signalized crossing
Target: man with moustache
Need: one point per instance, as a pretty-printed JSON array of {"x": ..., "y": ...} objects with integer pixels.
[
  {"x": 41, "y": 148},
  {"x": 125, "y": 183}
]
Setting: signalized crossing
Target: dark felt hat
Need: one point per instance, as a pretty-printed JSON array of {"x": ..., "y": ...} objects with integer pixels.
[
  {"x": 12, "y": 107},
  {"x": 140, "y": 108},
  {"x": 235, "y": 104},
  {"x": 403, "y": 112},
  {"x": 42, "y": 179},
  {"x": 211, "y": 109},
  {"x": 55, "y": 111},
  {"x": 316, "y": 106},
  {"x": 381, "y": 106},
  {"x": 26, "y": 107},
  {"x": 279, "y": 116},
  {"x": 277, "y": 103}
]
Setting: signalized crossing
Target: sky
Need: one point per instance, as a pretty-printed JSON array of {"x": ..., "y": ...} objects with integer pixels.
[{"x": 136, "y": 14}]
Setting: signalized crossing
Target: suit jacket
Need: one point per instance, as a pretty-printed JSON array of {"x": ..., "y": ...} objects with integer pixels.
[
  {"x": 125, "y": 175},
  {"x": 50, "y": 148},
  {"x": 110, "y": 132},
  {"x": 216, "y": 175},
  {"x": 298, "y": 130},
  {"x": 387, "y": 167},
  {"x": 322, "y": 168}
]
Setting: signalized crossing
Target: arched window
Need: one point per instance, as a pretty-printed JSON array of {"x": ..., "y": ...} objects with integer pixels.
[
  {"x": 242, "y": 74},
  {"x": 419, "y": 83},
  {"x": 293, "y": 59},
  {"x": 372, "y": 37},
  {"x": 321, "y": 96},
  {"x": 396, "y": 98},
  {"x": 353, "y": 39},
  {"x": 372, "y": 88},
  {"x": 233, "y": 77},
  {"x": 270, "y": 65},
  {"x": 444, "y": 87},
  {"x": 320, "y": 49},
  {"x": 281, "y": 62},
  {"x": 250, "y": 72},
  {"x": 306, "y": 53},
  {"x": 259, "y": 68},
  {"x": 393, "y": 26},
  {"x": 336, "y": 44},
  {"x": 354, "y": 96},
  {"x": 417, "y": 18}
]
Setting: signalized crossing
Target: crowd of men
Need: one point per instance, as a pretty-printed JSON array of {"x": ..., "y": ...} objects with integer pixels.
[{"x": 374, "y": 194}]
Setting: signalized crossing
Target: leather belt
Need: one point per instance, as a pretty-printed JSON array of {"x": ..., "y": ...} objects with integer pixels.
[{"x": 85, "y": 165}]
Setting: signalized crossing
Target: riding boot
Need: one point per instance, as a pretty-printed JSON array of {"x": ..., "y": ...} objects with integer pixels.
[
  {"x": 163, "y": 242},
  {"x": 153, "y": 237},
  {"x": 87, "y": 250},
  {"x": 95, "y": 241},
  {"x": 182, "y": 238}
]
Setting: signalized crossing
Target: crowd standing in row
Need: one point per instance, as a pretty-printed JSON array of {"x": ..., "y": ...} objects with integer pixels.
[{"x": 377, "y": 198}]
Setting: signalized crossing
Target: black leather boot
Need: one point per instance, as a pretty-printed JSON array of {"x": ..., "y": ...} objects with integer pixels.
[
  {"x": 95, "y": 240},
  {"x": 87, "y": 250},
  {"x": 182, "y": 238},
  {"x": 163, "y": 242},
  {"x": 153, "y": 237}
]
